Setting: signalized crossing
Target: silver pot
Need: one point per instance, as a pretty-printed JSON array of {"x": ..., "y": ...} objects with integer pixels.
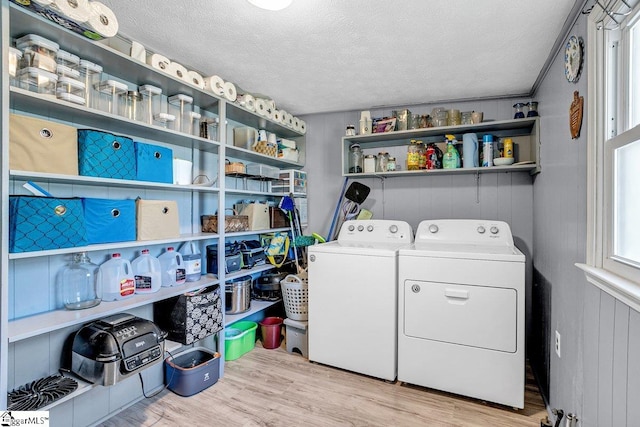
[{"x": 237, "y": 295}]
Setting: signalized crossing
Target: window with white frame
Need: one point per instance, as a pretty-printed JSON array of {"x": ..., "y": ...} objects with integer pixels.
[{"x": 614, "y": 146}]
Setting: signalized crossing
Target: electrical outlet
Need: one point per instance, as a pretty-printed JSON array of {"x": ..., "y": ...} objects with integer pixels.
[{"x": 558, "y": 343}]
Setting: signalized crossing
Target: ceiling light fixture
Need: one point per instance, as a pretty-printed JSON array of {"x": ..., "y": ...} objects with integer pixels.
[{"x": 271, "y": 4}]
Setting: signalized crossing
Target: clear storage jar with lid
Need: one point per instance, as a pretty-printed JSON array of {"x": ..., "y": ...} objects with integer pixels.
[
  {"x": 209, "y": 128},
  {"x": 15, "y": 57},
  {"x": 151, "y": 102},
  {"x": 66, "y": 71},
  {"x": 370, "y": 163},
  {"x": 454, "y": 118},
  {"x": 110, "y": 91},
  {"x": 519, "y": 110},
  {"x": 192, "y": 126},
  {"x": 90, "y": 74},
  {"x": 466, "y": 118},
  {"x": 71, "y": 90},
  {"x": 180, "y": 106},
  {"x": 37, "y": 80},
  {"x": 391, "y": 164},
  {"x": 164, "y": 120},
  {"x": 356, "y": 159},
  {"x": 67, "y": 59},
  {"x": 38, "y": 52},
  {"x": 130, "y": 105},
  {"x": 79, "y": 284},
  {"x": 382, "y": 162},
  {"x": 533, "y": 109}
]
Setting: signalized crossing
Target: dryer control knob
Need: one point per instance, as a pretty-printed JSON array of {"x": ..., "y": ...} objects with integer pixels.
[
  {"x": 494, "y": 230},
  {"x": 360, "y": 227},
  {"x": 312, "y": 258},
  {"x": 433, "y": 228},
  {"x": 393, "y": 228},
  {"x": 369, "y": 228},
  {"x": 351, "y": 228},
  {"x": 481, "y": 230}
]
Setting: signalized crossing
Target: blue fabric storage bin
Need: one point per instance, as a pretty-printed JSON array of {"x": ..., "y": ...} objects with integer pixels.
[
  {"x": 105, "y": 155},
  {"x": 44, "y": 223},
  {"x": 154, "y": 163},
  {"x": 109, "y": 221}
]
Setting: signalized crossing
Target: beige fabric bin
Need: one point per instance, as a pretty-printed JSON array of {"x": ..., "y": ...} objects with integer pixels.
[{"x": 157, "y": 219}]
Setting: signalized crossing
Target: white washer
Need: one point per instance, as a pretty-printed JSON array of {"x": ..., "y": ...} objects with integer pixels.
[
  {"x": 461, "y": 310},
  {"x": 353, "y": 297}
]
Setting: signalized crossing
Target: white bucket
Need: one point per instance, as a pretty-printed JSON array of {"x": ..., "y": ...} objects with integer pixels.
[{"x": 182, "y": 172}]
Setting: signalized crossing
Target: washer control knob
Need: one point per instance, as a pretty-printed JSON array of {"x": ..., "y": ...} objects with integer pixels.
[
  {"x": 433, "y": 228},
  {"x": 312, "y": 258},
  {"x": 393, "y": 228},
  {"x": 360, "y": 227},
  {"x": 494, "y": 230},
  {"x": 369, "y": 228},
  {"x": 351, "y": 228},
  {"x": 481, "y": 229}
]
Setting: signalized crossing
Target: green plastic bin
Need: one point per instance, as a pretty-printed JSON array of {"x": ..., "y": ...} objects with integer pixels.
[{"x": 239, "y": 338}]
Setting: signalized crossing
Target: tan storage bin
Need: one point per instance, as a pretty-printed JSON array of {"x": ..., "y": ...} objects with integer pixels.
[
  {"x": 157, "y": 219},
  {"x": 38, "y": 145},
  {"x": 258, "y": 214}
]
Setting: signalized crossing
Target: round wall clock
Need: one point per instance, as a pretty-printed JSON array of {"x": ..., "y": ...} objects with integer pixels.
[{"x": 573, "y": 57}]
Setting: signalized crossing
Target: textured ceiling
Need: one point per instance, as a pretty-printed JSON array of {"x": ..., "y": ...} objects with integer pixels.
[{"x": 334, "y": 55}]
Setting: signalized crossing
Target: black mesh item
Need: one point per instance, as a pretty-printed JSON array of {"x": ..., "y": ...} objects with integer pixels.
[
  {"x": 40, "y": 393},
  {"x": 357, "y": 192},
  {"x": 43, "y": 223},
  {"x": 105, "y": 155}
]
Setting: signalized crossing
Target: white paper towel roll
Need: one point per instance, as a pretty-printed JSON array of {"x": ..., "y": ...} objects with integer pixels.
[
  {"x": 277, "y": 116},
  {"x": 102, "y": 20},
  {"x": 296, "y": 124},
  {"x": 250, "y": 102},
  {"x": 177, "y": 70},
  {"x": 283, "y": 117},
  {"x": 76, "y": 10},
  {"x": 271, "y": 104},
  {"x": 214, "y": 84},
  {"x": 159, "y": 62},
  {"x": 303, "y": 127},
  {"x": 138, "y": 51},
  {"x": 288, "y": 120},
  {"x": 230, "y": 91},
  {"x": 261, "y": 107},
  {"x": 195, "y": 79}
]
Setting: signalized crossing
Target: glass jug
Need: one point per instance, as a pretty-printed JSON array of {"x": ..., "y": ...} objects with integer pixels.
[
  {"x": 79, "y": 283},
  {"x": 519, "y": 107},
  {"x": 356, "y": 160},
  {"x": 533, "y": 109}
]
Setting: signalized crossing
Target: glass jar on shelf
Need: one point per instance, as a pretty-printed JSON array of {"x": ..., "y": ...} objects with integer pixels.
[
  {"x": 533, "y": 109},
  {"x": 391, "y": 164},
  {"x": 413, "y": 156},
  {"x": 383, "y": 161},
  {"x": 519, "y": 110},
  {"x": 466, "y": 118},
  {"x": 370, "y": 163},
  {"x": 79, "y": 284},
  {"x": 356, "y": 159}
]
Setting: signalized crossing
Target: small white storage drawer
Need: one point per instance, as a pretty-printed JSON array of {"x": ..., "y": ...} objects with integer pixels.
[
  {"x": 291, "y": 181},
  {"x": 477, "y": 316}
]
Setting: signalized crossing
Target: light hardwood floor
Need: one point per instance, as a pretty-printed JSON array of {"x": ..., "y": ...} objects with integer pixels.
[{"x": 275, "y": 388}]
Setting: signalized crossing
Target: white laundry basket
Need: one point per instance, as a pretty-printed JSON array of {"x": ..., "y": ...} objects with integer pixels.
[{"x": 295, "y": 295}]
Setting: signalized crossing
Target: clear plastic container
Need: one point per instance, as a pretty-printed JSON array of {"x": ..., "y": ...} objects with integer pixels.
[
  {"x": 130, "y": 105},
  {"x": 65, "y": 71},
  {"x": 147, "y": 273},
  {"x": 38, "y": 52},
  {"x": 109, "y": 91},
  {"x": 67, "y": 59},
  {"x": 209, "y": 128},
  {"x": 151, "y": 102},
  {"x": 172, "y": 268},
  {"x": 193, "y": 125},
  {"x": 70, "y": 90},
  {"x": 15, "y": 56},
  {"x": 90, "y": 74},
  {"x": 116, "y": 279},
  {"x": 192, "y": 261},
  {"x": 164, "y": 120},
  {"x": 37, "y": 80},
  {"x": 180, "y": 106},
  {"x": 79, "y": 285}
]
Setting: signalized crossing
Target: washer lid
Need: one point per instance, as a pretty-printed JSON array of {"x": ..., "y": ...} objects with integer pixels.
[
  {"x": 358, "y": 248},
  {"x": 464, "y": 251}
]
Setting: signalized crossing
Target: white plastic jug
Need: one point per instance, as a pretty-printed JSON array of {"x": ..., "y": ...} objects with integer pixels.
[
  {"x": 172, "y": 268},
  {"x": 116, "y": 278},
  {"x": 146, "y": 270},
  {"x": 192, "y": 261}
]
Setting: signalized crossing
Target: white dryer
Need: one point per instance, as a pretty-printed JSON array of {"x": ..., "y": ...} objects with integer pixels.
[
  {"x": 461, "y": 305},
  {"x": 353, "y": 297}
]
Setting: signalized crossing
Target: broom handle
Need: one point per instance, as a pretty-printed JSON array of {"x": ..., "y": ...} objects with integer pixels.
[{"x": 335, "y": 213}]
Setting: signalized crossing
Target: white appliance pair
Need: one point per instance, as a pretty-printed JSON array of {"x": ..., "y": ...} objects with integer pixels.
[{"x": 445, "y": 312}]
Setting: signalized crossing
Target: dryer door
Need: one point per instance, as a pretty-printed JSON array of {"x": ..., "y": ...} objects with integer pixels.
[{"x": 477, "y": 316}]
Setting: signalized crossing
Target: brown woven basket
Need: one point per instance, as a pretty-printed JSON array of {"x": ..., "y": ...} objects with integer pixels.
[{"x": 232, "y": 223}]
